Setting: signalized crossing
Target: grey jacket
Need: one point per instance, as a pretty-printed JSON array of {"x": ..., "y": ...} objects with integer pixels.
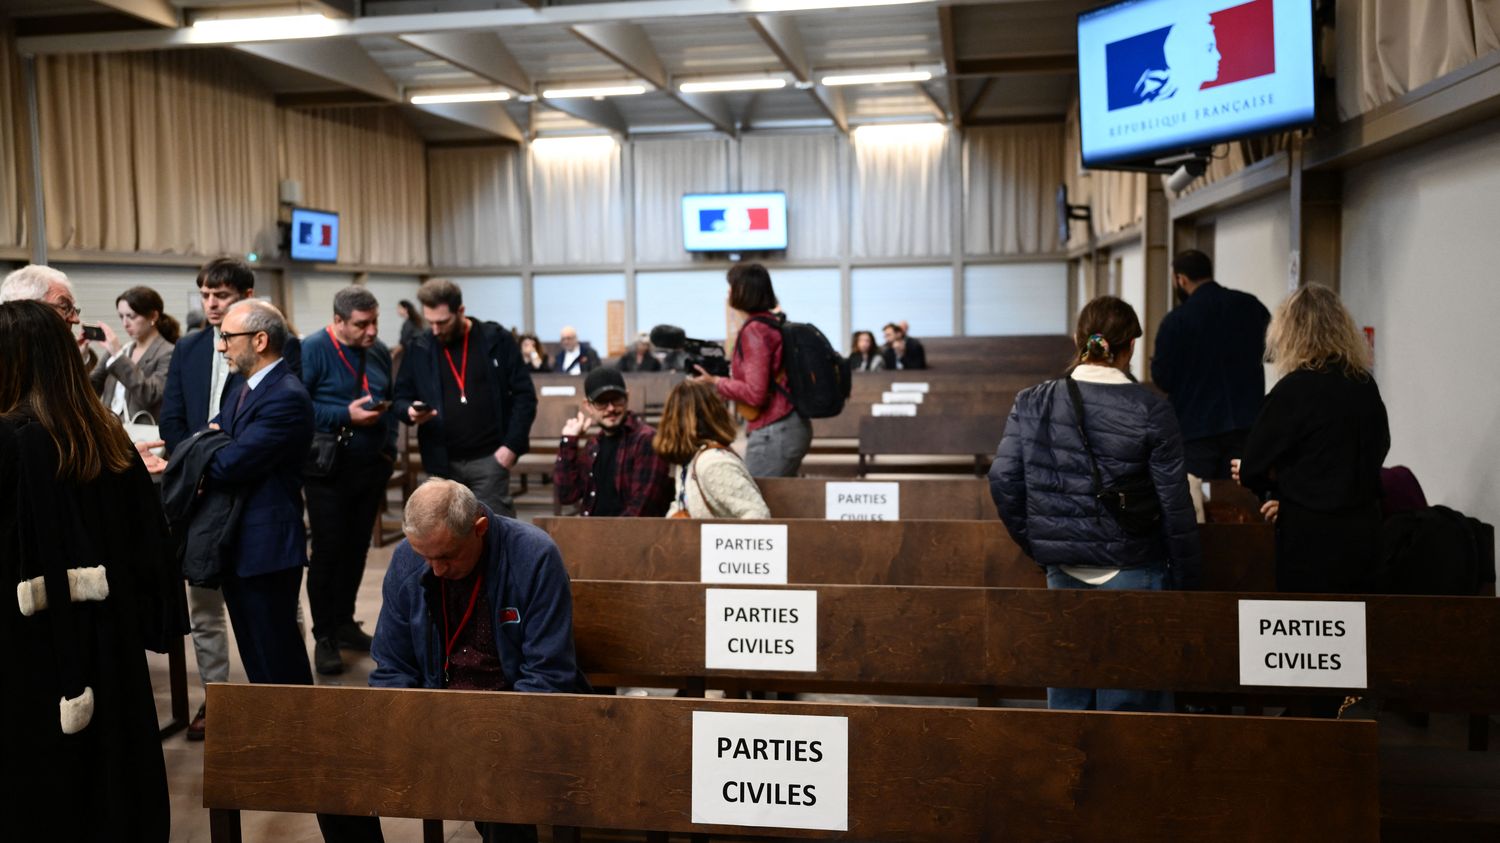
[{"x": 144, "y": 381}]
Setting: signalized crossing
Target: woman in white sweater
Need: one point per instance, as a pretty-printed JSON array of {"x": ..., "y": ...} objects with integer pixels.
[{"x": 695, "y": 435}]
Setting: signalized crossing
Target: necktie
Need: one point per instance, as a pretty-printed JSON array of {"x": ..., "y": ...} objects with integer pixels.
[{"x": 239, "y": 403}]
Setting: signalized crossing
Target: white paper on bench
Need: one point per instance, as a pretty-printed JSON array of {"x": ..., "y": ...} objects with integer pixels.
[
  {"x": 1303, "y": 643},
  {"x": 862, "y": 502},
  {"x": 771, "y": 770},
  {"x": 909, "y": 386},
  {"x": 760, "y": 629},
  {"x": 559, "y": 391},
  {"x": 742, "y": 553},
  {"x": 901, "y": 397},
  {"x": 906, "y": 410}
]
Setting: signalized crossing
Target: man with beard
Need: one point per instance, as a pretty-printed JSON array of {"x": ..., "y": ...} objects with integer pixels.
[
  {"x": 1209, "y": 353},
  {"x": 618, "y": 472}
]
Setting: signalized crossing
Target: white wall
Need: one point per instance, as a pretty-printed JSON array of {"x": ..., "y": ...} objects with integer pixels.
[
  {"x": 577, "y": 300},
  {"x": 98, "y": 286},
  {"x": 1420, "y": 258},
  {"x": 1131, "y": 261},
  {"x": 389, "y": 290},
  {"x": 693, "y": 301},
  {"x": 920, "y": 295},
  {"x": 312, "y": 299},
  {"x": 1252, "y": 252},
  {"x": 493, "y": 298},
  {"x": 812, "y": 295},
  {"x": 1012, "y": 299}
]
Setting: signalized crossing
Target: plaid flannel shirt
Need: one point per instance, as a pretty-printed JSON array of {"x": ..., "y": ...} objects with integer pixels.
[{"x": 643, "y": 479}]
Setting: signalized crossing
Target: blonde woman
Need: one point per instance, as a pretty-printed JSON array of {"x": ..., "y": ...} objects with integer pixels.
[
  {"x": 1317, "y": 446},
  {"x": 694, "y": 436}
]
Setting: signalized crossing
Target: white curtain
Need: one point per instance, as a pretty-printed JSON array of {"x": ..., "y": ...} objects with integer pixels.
[
  {"x": 12, "y": 215},
  {"x": 577, "y": 205},
  {"x": 664, "y": 171},
  {"x": 901, "y": 193},
  {"x": 1386, "y": 48},
  {"x": 805, "y": 167},
  {"x": 476, "y": 210},
  {"x": 1011, "y": 174}
]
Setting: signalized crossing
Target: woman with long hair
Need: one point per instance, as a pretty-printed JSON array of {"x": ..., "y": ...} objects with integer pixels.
[
  {"x": 132, "y": 376},
  {"x": 82, "y": 536},
  {"x": 533, "y": 355},
  {"x": 866, "y": 356},
  {"x": 695, "y": 435},
  {"x": 1089, "y": 480},
  {"x": 1317, "y": 445},
  {"x": 411, "y": 323}
]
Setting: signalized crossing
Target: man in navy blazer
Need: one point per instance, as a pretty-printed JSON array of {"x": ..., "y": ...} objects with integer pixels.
[{"x": 269, "y": 418}]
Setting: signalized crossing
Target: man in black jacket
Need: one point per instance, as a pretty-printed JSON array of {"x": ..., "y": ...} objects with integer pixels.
[
  {"x": 1209, "y": 353},
  {"x": 466, "y": 389}
]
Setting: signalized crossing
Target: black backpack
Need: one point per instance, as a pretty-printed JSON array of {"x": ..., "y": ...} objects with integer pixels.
[{"x": 817, "y": 376}]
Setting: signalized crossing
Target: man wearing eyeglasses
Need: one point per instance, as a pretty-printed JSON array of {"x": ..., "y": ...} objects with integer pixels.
[
  {"x": 617, "y": 474},
  {"x": 50, "y": 287}
]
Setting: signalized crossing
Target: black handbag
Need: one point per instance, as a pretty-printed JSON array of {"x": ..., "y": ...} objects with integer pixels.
[
  {"x": 1132, "y": 499},
  {"x": 323, "y": 456}
]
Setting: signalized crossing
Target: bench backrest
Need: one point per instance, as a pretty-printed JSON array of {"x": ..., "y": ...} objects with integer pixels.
[
  {"x": 914, "y": 773},
  {"x": 962, "y": 435},
  {"x": 1237, "y": 557},
  {"x": 958, "y": 499}
]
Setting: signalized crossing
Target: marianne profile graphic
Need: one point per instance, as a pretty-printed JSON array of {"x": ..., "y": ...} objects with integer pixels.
[{"x": 1156, "y": 65}]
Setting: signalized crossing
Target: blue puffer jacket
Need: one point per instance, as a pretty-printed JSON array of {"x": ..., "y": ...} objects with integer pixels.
[{"x": 1043, "y": 488}]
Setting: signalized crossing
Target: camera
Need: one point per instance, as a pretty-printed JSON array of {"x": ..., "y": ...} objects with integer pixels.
[{"x": 705, "y": 353}]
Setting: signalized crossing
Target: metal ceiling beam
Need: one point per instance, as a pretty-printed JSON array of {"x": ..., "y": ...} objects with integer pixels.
[
  {"x": 159, "y": 12},
  {"x": 480, "y": 53},
  {"x": 785, "y": 40},
  {"x": 973, "y": 106},
  {"x": 627, "y": 45},
  {"x": 1002, "y": 65},
  {"x": 486, "y": 116},
  {"x": 343, "y": 62},
  {"x": 950, "y": 64},
  {"x": 601, "y": 113},
  {"x": 944, "y": 112}
]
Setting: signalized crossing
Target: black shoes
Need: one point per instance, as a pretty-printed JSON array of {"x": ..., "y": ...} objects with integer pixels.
[
  {"x": 326, "y": 658},
  {"x": 351, "y": 637},
  {"x": 195, "y": 729}
]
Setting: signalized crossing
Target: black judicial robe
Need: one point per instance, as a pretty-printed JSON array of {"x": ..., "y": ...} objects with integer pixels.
[{"x": 106, "y": 781}]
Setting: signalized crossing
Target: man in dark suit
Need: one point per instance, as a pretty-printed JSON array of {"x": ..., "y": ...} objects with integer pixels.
[
  {"x": 269, "y": 418},
  {"x": 574, "y": 357},
  {"x": 901, "y": 351}
]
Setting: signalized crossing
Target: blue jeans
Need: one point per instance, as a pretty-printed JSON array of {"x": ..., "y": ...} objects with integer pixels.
[{"x": 1108, "y": 699}]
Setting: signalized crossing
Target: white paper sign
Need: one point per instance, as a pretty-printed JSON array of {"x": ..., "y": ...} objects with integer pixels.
[
  {"x": 909, "y": 386},
  {"x": 901, "y": 397},
  {"x": 559, "y": 391},
  {"x": 907, "y": 410},
  {"x": 1303, "y": 643},
  {"x": 742, "y": 553},
  {"x": 760, "y": 629},
  {"x": 863, "y": 502},
  {"x": 771, "y": 770}
]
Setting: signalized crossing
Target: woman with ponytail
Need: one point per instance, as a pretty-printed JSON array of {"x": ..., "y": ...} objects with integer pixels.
[{"x": 1089, "y": 481}]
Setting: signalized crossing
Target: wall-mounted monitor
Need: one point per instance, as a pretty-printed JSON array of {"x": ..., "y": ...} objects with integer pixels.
[
  {"x": 1162, "y": 76},
  {"x": 314, "y": 236},
  {"x": 734, "y": 222}
]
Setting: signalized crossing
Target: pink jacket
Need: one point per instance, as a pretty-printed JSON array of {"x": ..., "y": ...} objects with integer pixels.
[{"x": 757, "y": 358}]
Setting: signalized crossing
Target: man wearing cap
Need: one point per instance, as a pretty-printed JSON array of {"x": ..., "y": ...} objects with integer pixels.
[{"x": 617, "y": 473}]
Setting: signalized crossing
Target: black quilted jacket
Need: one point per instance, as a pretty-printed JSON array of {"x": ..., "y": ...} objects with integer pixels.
[{"x": 1043, "y": 488}]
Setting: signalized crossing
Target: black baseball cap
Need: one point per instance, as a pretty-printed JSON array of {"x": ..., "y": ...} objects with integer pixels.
[{"x": 603, "y": 381}]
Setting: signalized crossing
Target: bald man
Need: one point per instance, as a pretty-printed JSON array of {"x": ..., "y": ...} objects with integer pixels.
[{"x": 574, "y": 357}]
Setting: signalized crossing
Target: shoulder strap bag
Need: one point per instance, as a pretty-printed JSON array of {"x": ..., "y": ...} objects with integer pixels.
[{"x": 1131, "y": 500}]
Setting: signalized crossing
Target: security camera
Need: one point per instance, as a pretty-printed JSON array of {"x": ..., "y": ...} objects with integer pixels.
[{"x": 1187, "y": 174}]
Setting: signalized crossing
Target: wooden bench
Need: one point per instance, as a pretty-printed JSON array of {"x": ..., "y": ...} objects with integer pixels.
[
  {"x": 1047, "y": 355},
  {"x": 914, "y": 773},
  {"x": 1237, "y": 557},
  {"x": 958, "y": 499}
]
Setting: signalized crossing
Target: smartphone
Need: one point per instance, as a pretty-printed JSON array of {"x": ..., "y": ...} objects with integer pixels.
[
  {"x": 419, "y": 407},
  {"x": 93, "y": 332},
  {"x": 378, "y": 406}
]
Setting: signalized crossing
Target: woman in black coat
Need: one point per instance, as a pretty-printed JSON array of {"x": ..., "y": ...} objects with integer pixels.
[
  {"x": 83, "y": 544},
  {"x": 1317, "y": 446},
  {"x": 1045, "y": 489}
]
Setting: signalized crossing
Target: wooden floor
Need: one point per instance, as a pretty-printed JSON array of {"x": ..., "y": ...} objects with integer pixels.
[{"x": 185, "y": 759}]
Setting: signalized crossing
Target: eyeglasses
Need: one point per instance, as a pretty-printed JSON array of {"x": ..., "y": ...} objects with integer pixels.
[
  {"x": 67, "y": 310},
  {"x": 609, "y": 401},
  {"x": 226, "y": 336}
]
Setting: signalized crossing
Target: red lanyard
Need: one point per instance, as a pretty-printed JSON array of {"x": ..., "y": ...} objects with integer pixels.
[
  {"x": 460, "y": 376},
  {"x": 450, "y": 640},
  {"x": 340, "y": 350}
]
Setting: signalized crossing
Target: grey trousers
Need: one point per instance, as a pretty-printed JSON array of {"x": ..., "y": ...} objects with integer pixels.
[
  {"x": 210, "y": 633},
  {"x": 777, "y": 449},
  {"x": 488, "y": 480}
]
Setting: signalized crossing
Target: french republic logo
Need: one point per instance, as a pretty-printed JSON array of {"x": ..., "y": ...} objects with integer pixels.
[
  {"x": 1200, "y": 51},
  {"x": 510, "y": 614},
  {"x": 712, "y": 220},
  {"x": 315, "y": 234}
]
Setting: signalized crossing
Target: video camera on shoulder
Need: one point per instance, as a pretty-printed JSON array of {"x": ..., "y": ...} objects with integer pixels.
[{"x": 706, "y": 353}]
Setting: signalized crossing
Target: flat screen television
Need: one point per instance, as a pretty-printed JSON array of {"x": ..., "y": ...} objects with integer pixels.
[
  {"x": 1157, "y": 77},
  {"x": 734, "y": 222},
  {"x": 314, "y": 235}
]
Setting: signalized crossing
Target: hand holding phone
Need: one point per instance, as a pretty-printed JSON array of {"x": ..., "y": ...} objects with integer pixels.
[
  {"x": 377, "y": 406},
  {"x": 420, "y": 412},
  {"x": 93, "y": 333}
]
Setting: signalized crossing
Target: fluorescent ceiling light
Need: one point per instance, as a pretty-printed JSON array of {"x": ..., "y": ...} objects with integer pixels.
[
  {"x": 471, "y": 96},
  {"x": 732, "y": 85},
  {"x": 877, "y": 78},
  {"x": 604, "y": 91},
  {"x": 900, "y": 133},
  {"x": 277, "y": 28}
]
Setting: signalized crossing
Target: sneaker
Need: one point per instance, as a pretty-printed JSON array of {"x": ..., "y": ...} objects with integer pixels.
[
  {"x": 196, "y": 727},
  {"x": 351, "y": 637},
  {"x": 326, "y": 659}
]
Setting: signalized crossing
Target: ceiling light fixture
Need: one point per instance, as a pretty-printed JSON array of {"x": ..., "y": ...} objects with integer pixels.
[
  {"x": 732, "y": 85},
  {"x": 604, "y": 91},
  {"x": 573, "y": 146},
  {"x": 471, "y": 96},
  {"x": 877, "y": 78},
  {"x": 276, "y": 28}
]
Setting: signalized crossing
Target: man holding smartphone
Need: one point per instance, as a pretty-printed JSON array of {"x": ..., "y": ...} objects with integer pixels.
[{"x": 347, "y": 371}]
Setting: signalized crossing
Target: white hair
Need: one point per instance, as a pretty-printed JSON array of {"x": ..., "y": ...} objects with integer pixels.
[
  {"x": 30, "y": 283},
  {"x": 440, "y": 502}
]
